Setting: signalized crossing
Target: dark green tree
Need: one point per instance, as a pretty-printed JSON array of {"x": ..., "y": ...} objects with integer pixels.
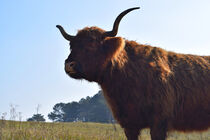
[
  {"x": 37, "y": 118},
  {"x": 58, "y": 113},
  {"x": 71, "y": 111}
]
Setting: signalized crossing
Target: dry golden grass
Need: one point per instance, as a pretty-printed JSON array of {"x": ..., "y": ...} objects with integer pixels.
[{"x": 10, "y": 130}]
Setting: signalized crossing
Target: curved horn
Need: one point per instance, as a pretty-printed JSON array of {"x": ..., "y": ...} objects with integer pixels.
[
  {"x": 117, "y": 22},
  {"x": 63, "y": 32}
]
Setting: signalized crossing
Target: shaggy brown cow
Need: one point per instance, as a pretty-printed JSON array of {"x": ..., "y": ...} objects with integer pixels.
[{"x": 145, "y": 86}]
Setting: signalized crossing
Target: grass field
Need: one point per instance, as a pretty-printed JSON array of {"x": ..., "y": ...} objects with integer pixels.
[{"x": 10, "y": 130}]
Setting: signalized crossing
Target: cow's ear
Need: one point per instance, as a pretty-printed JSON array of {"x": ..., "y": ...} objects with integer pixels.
[{"x": 112, "y": 46}]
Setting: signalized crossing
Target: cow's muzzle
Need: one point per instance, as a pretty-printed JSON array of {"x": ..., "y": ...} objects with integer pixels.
[{"x": 73, "y": 69}]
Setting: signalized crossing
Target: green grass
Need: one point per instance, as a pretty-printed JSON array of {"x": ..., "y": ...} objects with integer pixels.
[{"x": 10, "y": 130}]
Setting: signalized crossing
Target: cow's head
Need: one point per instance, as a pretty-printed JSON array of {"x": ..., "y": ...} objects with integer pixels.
[{"x": 92, "y": 49}]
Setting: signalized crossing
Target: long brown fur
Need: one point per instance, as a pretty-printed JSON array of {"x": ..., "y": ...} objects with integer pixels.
[{"x": 145, "y": 86}]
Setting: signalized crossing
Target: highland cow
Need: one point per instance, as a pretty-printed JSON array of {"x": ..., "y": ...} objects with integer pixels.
[{"x": 144, "y": 86}]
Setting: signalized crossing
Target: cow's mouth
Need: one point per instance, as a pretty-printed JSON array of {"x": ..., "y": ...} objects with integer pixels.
[{"x": 74, "y": 70}]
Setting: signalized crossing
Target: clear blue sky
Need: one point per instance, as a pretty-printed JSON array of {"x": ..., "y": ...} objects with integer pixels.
[{"x": 32, "y": 51}]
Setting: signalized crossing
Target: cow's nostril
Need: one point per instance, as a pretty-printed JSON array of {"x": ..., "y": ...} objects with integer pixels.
[{"x": 72, "y": 64}]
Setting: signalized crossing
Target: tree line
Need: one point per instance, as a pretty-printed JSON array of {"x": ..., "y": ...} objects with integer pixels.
[{"x": 89, "y": 109}]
